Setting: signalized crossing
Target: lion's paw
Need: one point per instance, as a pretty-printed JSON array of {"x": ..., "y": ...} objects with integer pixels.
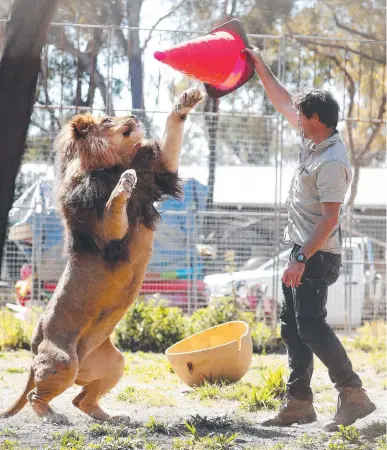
[
  {"x": 55, "y": 418},
  {"x": 128, "y": 180},
  {"x": 119, "y": 418},
  {"x": 187, "y": 100}
]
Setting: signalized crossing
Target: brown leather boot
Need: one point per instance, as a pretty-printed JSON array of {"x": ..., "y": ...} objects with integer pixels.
[
  {"x": 353, "y": 403},
  {"x": 293, "y": 411}
]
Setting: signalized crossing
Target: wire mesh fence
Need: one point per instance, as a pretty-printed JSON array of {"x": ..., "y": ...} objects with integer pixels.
[
  {"x": 199, "y": 255},
  {"x": 225, "y": 237}
]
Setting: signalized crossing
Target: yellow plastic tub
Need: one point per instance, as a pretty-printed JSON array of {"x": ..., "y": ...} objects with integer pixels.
[{"x": 221, "y": 352}]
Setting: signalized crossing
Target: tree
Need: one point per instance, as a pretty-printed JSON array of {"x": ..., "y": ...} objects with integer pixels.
[
  {"x": 355, "y": 65},
  {"x": 19, "y": 68}
]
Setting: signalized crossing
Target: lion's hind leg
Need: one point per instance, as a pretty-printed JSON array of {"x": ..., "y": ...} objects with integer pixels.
[
  {"x": 54, "y": 371},
  {"x": 98, "y": 374}
]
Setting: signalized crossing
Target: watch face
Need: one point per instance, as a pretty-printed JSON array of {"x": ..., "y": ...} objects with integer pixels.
[{"x": 300, "y": 257}]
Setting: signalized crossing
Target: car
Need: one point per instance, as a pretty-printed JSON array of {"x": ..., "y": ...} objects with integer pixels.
[{"x": 347, "y": 299}]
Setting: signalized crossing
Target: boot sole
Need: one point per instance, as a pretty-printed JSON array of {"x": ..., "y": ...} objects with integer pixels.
[{"x": 288, "y": 424}]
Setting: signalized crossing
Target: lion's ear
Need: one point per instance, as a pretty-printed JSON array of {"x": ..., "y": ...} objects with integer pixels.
[{"x": 81, "y": 125}]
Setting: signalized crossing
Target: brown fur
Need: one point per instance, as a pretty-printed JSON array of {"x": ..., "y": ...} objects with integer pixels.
[{"x": 109, "y": 179}]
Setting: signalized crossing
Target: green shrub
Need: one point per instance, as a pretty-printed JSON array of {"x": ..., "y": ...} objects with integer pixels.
[
  {"x": 371, "y": 337},
  {"x": 219, "y": 310},
  {"x": 150, "y": 327},
  {"x": 14, "y": 333},
  {"x": 263, "y": 339}
]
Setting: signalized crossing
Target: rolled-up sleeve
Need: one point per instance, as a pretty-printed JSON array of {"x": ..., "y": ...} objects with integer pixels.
[{"x": 332, "y": 181}]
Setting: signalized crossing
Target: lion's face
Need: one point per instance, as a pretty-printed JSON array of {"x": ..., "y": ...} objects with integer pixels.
[
  {"x": 122, "y": 132},
  {"x": 99, "y": 142}
]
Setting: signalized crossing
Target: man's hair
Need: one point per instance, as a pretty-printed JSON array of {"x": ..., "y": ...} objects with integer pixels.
[{"x": 320, "y": 102}]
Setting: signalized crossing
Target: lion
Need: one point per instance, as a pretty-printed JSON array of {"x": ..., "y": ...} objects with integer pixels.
[{"x": 109, "y": 179}]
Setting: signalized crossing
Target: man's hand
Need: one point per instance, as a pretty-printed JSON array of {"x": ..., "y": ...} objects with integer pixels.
[
  {"x": 254, "y": 53},
  {"x": 293, "y": 273}
]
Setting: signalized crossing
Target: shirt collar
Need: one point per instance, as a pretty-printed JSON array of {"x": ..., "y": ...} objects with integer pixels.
[{"x": 324, "y": 144}]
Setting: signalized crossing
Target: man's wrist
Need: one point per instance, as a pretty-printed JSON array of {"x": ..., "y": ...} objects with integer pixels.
[{"x": 300, "y": 257}]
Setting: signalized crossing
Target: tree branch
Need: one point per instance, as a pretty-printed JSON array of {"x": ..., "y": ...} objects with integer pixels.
[
  {"x": 380, "y": 60},
  {"x": 352, "y": 30},
  {"x": 233, "y": 8},
  {"x": 169, "y": 14},
  {"x": 85, "y": 61},
  {"x": 351, "y": 91},
  {"x": 376, "y": 127}
]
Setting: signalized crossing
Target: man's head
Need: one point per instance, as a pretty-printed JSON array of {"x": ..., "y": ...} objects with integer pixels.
[{"x": 318, "y": 111}]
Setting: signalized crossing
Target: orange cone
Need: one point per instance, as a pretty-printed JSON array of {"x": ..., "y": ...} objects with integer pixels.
[{"x": 216, "y": 59}]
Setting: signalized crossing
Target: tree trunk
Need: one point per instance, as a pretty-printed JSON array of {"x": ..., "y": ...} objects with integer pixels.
[
  {"x": 355, "y": 182},
  {"x": 135, "y": 55},
  {"x": 19, "y": 67}
]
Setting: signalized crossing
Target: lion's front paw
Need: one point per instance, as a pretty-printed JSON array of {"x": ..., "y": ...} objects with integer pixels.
[
  {"x": 187, "y": 100},
  {"x": 128, "y": 180}
]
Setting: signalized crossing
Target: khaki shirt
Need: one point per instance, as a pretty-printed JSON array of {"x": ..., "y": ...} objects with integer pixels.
[{"x": 323, "y": 174}]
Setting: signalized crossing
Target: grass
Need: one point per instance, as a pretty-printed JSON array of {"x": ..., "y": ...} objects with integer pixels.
[
  {"x": 260, "y": 398},
  {"x": 108, "y": 437},
  {"x": 183, "y": 428},
  {"x": 322, "y": 388},
  {"x": 251, "y": 397},
  {"x": 148, "y": 367},
  {"x": 372, "y": 437},
  {"x": 379, "y": 361},
  {"x": 143, "y": 396},
  {"x": 155, "y": 427},
  {"x": 371, "y": 336},
  {"x": 71, "y": 439},
  {"x": 211, "y": 441},
  {"x": 310, "y": 442},
  {"x": 16, "y": 370},
  {"x": 375, "y": 429},
  {"x": 7, "y": 433},
  {"x": 8, "y": 444}
]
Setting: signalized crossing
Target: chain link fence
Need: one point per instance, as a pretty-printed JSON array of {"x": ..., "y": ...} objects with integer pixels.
[{"x": 225, "y": 237}]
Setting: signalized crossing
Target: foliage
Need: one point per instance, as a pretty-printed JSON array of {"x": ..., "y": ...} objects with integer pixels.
[
  {"x": 14, "y": 333},
  {"x": 150, "y": 327},
  {"x": 219, "y": 310},
  {"x": 260, "y": 398},
  {"x": 8, "y": 444},
  {"x": 371, "y": 337},
  {"x": 71, "y": 439},
  {"x": 274, "y": 381},
  {"x": 212, "y": 441},
  {"x": 153, "y": 327}
]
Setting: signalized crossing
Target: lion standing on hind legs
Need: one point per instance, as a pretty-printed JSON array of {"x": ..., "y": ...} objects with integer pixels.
[{"x": 109, "y": 178}]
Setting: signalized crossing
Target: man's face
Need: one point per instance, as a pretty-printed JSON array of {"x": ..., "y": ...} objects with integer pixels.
[{"x": 305, "y": 125}]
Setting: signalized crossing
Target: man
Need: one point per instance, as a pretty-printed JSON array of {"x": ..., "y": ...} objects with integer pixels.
[{"x": 318, "y": 188}]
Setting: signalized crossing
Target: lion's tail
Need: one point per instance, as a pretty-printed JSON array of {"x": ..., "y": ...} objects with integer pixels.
[{"x": 22, "y": 400}]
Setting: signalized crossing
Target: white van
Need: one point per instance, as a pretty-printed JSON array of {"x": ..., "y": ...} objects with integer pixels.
[{"x": 345, "y": 298}]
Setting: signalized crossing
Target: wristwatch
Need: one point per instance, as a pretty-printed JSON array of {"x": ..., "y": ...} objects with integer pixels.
[{"x": 301, "y": 258}]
